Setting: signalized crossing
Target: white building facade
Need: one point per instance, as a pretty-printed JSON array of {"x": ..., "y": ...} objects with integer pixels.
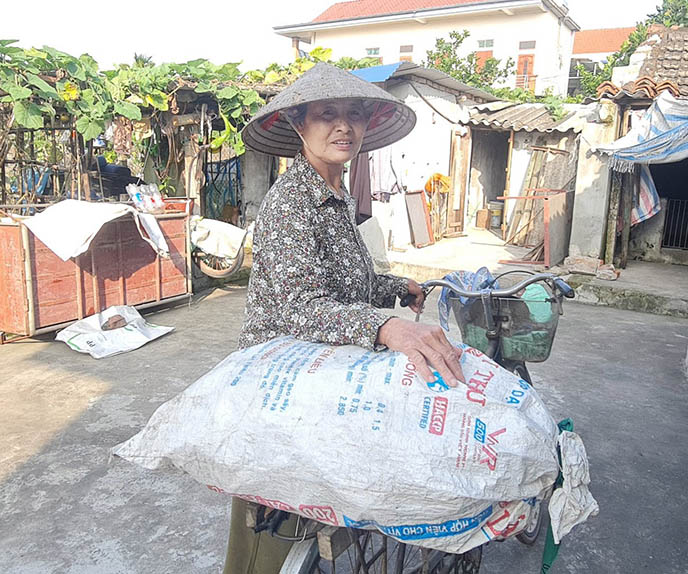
[{"x": 536, "y": 34}]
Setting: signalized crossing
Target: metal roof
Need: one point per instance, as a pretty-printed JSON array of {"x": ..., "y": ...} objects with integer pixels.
[
  {"x": 524, "y": 117},
  {"x": 401, "y": 70}
]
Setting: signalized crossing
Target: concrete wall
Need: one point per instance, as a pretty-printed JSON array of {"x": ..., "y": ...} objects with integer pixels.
[
  {"x": 427, "y": 148},
  {"x": 554, "y": 41},
  {"x": 592, "y": 182},
  {"x": 255, "y": 178},
  {"x": 420, "y": 154},
  {"x": 646, "y": 237}
]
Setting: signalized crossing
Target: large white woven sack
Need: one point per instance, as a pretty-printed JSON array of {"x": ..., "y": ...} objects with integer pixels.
[{"x": 350, "y": 437}]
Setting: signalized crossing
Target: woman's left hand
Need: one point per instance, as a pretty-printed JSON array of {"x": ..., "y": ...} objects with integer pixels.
[{"x": 415, "y": 290}]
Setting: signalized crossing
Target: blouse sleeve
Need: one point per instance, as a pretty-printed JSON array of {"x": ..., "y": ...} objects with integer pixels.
[
  {"x": 387, "y": 289},
  {"x": 290, "y": 259}
]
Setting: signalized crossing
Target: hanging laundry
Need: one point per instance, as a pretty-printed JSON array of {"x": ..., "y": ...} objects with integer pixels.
[
  {"x": 384, "y": 179},
  {"x": 359, "y": 187}
]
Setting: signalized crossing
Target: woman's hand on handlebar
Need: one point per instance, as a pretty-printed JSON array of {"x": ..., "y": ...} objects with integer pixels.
[
  {"x": 426, "y": 346},
  {"x": 414, "y": 289}
]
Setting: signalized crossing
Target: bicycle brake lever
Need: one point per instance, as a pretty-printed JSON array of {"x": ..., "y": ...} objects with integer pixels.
[{"x": 564, "y": 288}]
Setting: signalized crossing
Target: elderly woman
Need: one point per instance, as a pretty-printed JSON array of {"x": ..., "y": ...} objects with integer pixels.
[{"x": 312, "y": 275}]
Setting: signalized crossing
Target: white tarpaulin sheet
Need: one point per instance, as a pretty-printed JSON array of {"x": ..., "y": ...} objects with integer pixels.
[
  {"x": 216, "y": 237},
  {"x": 88, "y": 336},
  {"x": 354, "y": 438},
  {"x": 68, "y": 227}
]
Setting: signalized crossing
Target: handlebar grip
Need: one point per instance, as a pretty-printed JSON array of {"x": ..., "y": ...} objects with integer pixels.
[
  {"x": 407, "y": 300},
  {"x": 565, "y": 289}
]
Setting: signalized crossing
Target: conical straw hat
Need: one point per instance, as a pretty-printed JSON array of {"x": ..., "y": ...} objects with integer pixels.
[{"x": 269, "y": 131}]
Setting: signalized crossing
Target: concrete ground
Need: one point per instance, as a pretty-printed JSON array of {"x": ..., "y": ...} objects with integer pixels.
[
  {"x": 648, "y": 287},
  {"x": 476, "y": 249},
  {"x": 68, "y": 509}
]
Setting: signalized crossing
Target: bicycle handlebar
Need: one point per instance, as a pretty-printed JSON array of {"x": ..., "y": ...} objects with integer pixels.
[{"x": 564, "y": 288}]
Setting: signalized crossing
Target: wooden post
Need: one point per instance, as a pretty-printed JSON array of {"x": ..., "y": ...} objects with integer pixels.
[
  {"x": 464, "y": 174},
  {"x": 628, "y": 191},
  {"x": 82, "y": 164},
  {"x": 453, "y": 152},
  {"x": 612, "y": 216},
  {"x": 507, "y": 185}
]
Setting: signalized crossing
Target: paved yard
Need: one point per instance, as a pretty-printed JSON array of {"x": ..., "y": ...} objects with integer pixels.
[{"x": 67, "y": 508}]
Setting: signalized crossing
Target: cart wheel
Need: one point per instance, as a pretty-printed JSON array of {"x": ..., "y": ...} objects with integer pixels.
[
  {"x": 220, "y": 267},
  {"x": 530, "y": 534}
]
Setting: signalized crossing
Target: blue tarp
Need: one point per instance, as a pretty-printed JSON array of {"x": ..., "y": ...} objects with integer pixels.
[
  {"x": 661, "y": 136},
  {"x": 377, "y": 73}
]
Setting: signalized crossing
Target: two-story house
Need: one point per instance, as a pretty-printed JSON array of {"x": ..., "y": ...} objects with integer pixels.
[
  {"x": 592, "y": 48},
  {"x": 536, "y": 34}
]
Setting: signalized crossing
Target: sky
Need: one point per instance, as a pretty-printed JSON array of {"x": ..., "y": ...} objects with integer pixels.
[{"x": 220, "y": 31}]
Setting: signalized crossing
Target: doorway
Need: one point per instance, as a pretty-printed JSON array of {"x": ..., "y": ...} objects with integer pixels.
[
  {"x": 670, "y": 181},
  {"x": 489, "y": 158}
]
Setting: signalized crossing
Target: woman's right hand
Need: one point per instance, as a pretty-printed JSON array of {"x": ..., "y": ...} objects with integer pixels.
[{"x": 426, "y": 346}]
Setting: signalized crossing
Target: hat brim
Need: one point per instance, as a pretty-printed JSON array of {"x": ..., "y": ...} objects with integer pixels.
[{"x": 270, "y": 132}]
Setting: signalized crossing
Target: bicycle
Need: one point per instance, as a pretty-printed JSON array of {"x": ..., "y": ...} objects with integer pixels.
[{"x": 506, "y": 327}]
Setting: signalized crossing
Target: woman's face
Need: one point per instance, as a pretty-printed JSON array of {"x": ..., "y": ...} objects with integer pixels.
[{"x": 333, "y": 130}]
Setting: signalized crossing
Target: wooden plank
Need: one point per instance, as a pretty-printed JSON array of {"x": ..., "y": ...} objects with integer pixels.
[
  {"x": 519, "y": 262},
  {"x": 526, "y": 224},
  {"x": 556, "y": 229},
  {"x": 538, "y": 173},
  {"x": 518, "y": 208},
  {"x": 459, "y": 171},
  {"x": 419, "y": 219},
  {"x": 453, "y": 156}
]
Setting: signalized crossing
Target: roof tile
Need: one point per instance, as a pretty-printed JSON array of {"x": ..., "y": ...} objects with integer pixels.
[
  {"x": 602, "y": 41},
  {"x": 370, "y": 8}
]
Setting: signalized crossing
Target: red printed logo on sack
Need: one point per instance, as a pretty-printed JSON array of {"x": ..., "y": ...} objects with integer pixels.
[
  {"x": 489, "y": 451},
  {"x": 279, "y": 505},
  {"x": 438, "y": 416},
  {"x": 320, "y": 513}
]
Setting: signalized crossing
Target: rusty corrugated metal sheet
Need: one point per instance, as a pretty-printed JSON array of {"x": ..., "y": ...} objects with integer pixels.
[{"x": 523, "y": 117}]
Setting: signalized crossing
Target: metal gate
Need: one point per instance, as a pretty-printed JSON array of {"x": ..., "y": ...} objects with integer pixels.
[{"x": 676, "y": 224}]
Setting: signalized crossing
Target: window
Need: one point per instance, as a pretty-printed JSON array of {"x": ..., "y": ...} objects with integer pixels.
[
  {"x": 528, "y": 45},
  {"x": 483, "y": 44},
  {"x": 373, "y": 51},
  {"x": 481, "y": 57},
  {"x": 525, "y": 77},
  {"x": 406, "y": 49}
]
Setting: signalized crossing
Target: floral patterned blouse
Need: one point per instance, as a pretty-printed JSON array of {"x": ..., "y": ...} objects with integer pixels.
[{"x": 312, "y": 275}]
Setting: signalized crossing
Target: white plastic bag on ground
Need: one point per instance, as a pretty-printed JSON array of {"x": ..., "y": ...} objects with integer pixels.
[
  {"x": 355, "y": 438},
  {"x": 88, "y": 335}
]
